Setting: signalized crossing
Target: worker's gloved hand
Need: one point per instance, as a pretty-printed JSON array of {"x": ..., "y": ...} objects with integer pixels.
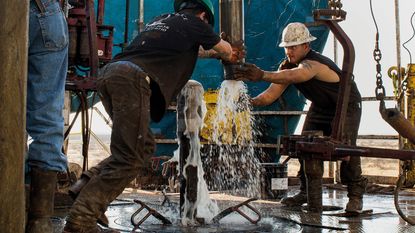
[
  {"x": 238, "y": 51},
  {"x": 285, "y": 65},
  {"x": 248, "y": 72}
]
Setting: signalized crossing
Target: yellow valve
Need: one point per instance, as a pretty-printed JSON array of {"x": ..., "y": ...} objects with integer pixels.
[
  {"x": 237, "y": 128},
  {"x": 410, "y": 93}
]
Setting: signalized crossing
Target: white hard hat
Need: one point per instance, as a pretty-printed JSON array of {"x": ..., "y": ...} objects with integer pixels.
[{"x": 295, "y": 34}]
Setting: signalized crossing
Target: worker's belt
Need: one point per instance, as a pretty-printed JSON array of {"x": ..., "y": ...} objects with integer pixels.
[
  {"x": 43, "y": 4},
  {"x": 125, "y": 66}
]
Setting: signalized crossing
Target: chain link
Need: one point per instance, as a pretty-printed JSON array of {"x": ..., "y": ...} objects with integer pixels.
[
  {"x": 404, "y": 85},
  {"x": 377, "y": 55}
]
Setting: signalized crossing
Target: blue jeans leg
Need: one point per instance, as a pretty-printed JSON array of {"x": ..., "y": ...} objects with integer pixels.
[{"x": 47, "y": 67}]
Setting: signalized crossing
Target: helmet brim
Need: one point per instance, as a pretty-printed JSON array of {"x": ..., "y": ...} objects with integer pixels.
[{"x": 294, "y": 43}]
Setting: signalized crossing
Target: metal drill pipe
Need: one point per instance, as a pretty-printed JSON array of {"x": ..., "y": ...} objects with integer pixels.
[{"x": 231, "y": 18}]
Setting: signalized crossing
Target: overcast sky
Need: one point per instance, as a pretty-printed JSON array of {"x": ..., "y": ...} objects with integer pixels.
[{"x": 360, "y": 28}]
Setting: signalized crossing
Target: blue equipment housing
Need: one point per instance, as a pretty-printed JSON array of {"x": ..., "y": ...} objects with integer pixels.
[{"x": 264, "y": 22}]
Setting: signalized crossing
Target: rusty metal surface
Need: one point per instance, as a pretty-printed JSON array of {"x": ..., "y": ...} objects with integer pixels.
[
  {"x": 325, "y": 148},
  {"x": 347, "y": 76},
  {"x": 237, "y": 209}
]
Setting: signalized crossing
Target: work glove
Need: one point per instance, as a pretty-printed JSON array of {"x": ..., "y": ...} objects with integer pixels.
[
  {"x": 286, "y": 65},
  {"x": 238, "y": 49},
  {"x": 248, "y": 72}
]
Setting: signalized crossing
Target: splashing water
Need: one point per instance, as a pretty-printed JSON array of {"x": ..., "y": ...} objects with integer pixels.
[
  {"x": 232, "y": 161},
  {"x": 194, "y": 110}
]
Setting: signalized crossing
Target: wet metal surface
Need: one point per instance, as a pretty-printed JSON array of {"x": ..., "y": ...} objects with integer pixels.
[{"x": 275, "y": 217}]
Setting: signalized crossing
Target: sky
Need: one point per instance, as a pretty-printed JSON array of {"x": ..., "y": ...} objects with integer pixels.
[{"x": 360, "y": 28}]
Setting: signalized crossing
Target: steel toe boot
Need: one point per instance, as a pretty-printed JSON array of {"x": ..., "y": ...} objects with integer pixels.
[
  {"x": 76, "y": 188},
  {"x": 355, "y": 193},
  {"x": 42, "y": 193}
]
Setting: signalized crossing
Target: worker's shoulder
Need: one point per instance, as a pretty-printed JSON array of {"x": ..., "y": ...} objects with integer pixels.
[{"x": 309, "y": 63}]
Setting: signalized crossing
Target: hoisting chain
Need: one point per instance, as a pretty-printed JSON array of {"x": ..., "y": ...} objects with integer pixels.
[
  {"x": 335, "y": 5},
  {"x": 377, "y": 55}
]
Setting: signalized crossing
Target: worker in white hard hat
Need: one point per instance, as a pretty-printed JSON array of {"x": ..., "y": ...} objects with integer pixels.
[{"x": 318, "y": 79}]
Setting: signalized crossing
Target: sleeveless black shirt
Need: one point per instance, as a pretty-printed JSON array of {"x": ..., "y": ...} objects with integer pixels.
[{"x": 323, "y": 95}]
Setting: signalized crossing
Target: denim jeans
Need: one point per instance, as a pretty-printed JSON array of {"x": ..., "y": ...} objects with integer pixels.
[{"x": 47, "y": 67}]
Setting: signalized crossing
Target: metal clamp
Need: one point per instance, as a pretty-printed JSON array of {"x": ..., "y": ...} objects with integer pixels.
[
  {"x": 151, "y": 211},
  {"x": 231, "y": 209}
]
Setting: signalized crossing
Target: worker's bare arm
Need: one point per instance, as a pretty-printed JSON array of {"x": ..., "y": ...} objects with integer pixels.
[
  {"x": 305, "y": 71},
  {"x": 272, "y": 93}
]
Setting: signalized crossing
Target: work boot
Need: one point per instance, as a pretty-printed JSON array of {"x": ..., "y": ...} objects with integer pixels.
[
  {"x": 76, "y": 188},
  {"x": 74, "y": 228},
  {"x": 355, "y": 193},
  {"x": 300, "y": 198},
  {"x": 354, "y": 205},
  {"x": 297, "y": 200},
  {"x": 42, "y": 193}
]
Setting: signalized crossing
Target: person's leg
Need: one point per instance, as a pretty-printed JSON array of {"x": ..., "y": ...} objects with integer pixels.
[
  {"x": 351, "y": 171},
  {"x": 315, "y": 121},
  {"x": 128, "y": 94},
  {"x": 47, "y": 67},
  {"x": 301, "y": 197}
]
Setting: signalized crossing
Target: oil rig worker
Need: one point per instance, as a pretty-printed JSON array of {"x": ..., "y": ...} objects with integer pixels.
[
  {"x": 318, "y": 79},
  {"x": 47, "y": 67},
  {"x": 139, "y": 84}
]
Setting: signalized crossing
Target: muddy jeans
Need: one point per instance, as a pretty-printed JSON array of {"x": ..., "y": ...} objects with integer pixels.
[
  {"x": 125, "y": 94},
  {"x": 350, "y": 171}
]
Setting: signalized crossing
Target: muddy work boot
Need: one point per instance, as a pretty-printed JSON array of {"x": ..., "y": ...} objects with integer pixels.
[
  {"x": 296, "y": 200},
  {"x": 42, "y": 193},
  {"x": 355, "y": 194},
  {"x": 76, "y": 188},
  {"x": 73, "y": 228},
  {"x": 300, "y": 198}
]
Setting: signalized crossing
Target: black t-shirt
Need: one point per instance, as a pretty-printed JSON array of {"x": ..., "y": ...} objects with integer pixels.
[{"x": 167, "y": 51}]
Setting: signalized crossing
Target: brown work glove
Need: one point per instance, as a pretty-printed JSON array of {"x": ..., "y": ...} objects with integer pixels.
[
  {"x": 248, "y": 72},
  {"x": 238, "y": 49},
  {"x": 286, "y": 65}
]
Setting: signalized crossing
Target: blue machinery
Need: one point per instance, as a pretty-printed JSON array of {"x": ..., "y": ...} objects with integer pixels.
[{"x": 264, "y": 22}]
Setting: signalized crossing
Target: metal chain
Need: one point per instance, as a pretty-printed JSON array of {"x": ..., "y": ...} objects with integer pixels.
[
  {"x": 404, "y": 85},
  {"x": 377, "y": 55},
  {"x": 335, "y": 5}
]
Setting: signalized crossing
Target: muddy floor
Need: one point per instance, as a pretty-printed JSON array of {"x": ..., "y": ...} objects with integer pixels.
[{"x": 381, "y": 214}]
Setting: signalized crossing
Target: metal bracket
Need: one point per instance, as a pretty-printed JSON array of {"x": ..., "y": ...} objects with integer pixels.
[
  {"x": 151, "y": 211},
  {"x": 231, "y": 209}
]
